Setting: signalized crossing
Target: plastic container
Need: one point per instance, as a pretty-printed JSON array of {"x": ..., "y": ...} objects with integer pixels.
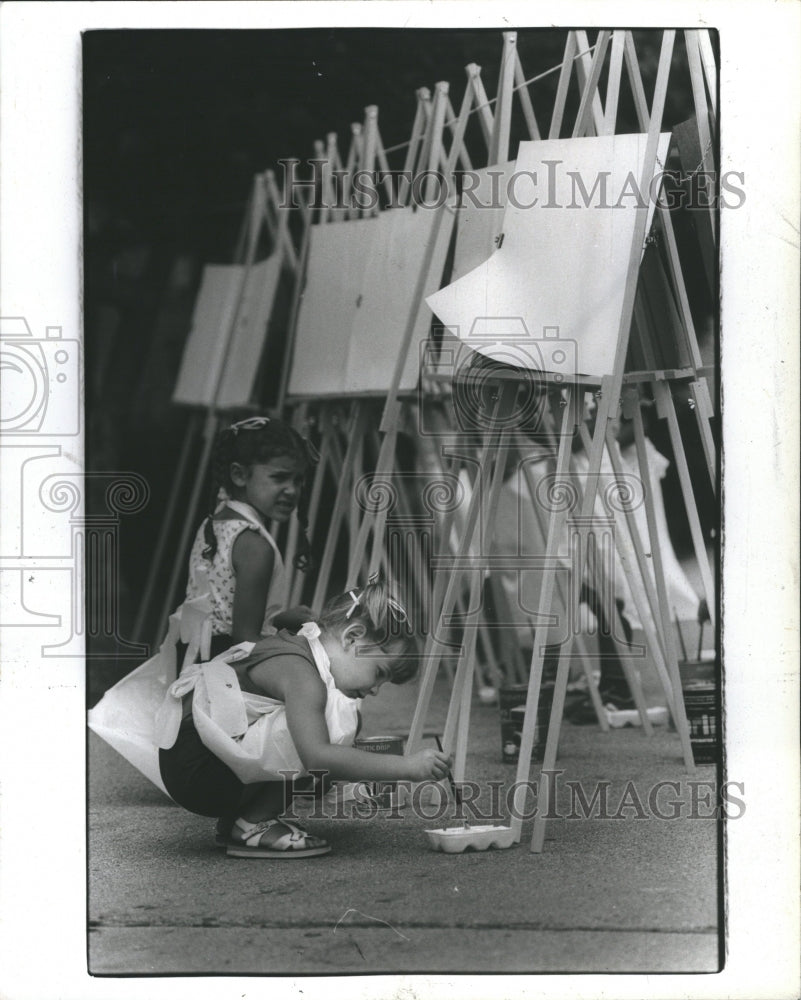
[
  {"x": 512, "y": 704},
  {"x": 700, "y": 690},
  {"x": 458, "y": 839},
  {"x": 383, "y": 793}
]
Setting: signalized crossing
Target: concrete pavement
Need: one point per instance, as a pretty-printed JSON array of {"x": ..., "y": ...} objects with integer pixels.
[{"x": 630, "y": 894}]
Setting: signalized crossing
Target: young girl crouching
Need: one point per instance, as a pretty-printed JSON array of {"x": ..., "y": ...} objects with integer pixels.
[{"x": 230, "y": 731}]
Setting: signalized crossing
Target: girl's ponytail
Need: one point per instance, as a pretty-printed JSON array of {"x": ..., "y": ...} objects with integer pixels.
[
  {"x": 221, "y": 458},
  {"x": 384, "y": 623},
  {"x": 303, "y": 557}
]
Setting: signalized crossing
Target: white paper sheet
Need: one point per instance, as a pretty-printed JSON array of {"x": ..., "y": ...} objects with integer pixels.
[
  {"x": 479, "y": 221},
  {"x": 206, "y": 351},
  {"x": 552, "y": 295},
  {"x": 355, "y": 307}
]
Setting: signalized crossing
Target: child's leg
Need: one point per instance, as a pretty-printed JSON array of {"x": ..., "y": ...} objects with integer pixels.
[
  {"x": 196, "y": 779},
  {"x": 263, "y": 801},
  {"x": 258, "y": 832},
  {"x": 272, "y": 798}
]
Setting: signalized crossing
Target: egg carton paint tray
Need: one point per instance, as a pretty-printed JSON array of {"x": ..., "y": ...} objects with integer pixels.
[{"x": 471, "y": 838}]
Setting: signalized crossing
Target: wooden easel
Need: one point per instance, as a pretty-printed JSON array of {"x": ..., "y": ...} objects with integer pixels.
[
  {"x": 428, "y": 148},
  {"x": 609, "y": 392},
  {"x": 425, "y": 153},
  {"x": 611, "y": 388},
  {"x": 263, "y": 213},
  {"x": 437, "y": 143}
]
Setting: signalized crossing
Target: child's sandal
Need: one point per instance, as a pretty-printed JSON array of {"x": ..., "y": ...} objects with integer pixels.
[{"x": 246, "y": 841}]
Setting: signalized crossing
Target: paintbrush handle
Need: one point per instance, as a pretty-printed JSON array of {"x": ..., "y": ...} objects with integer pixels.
[{"x": 457, "y": 795}]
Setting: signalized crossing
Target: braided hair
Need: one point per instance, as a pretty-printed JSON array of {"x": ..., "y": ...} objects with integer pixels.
[{"x": 250, "y": 441}]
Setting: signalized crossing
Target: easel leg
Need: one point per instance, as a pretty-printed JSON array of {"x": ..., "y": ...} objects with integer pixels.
[
  {"x": 166, "y": 527},
  {"x": 556, "y": 528},
  {"x": 582, "y": 527},
  {"x": 179, "y": 563},
  {"x": 647, "y": 607},
  {"x": 328, "y": 433},
  {"x": 384, "y": 465},
  {"x": 680, "y": 716},
  {"x": 457, "y": 720},
  {"x": 443, "y": 611},
  {"x": 613, "y": 618},
  {"x": 665, "y": 402},
  {"x": 561, "y": 596},
  {"x": 430, "y": 658},
  {"x": 355, "y": 431}
]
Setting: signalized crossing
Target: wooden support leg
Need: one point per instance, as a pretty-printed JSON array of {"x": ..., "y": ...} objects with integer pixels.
[
  {"x": 380, "y": 520},
  {"x": 431, "y": 657},
  {"x": 326, "y": 461},
  {"x": 463, "y": 728},
  {"x": 457, "y": 710},
  {"x": 561, "y": 598},
  {"x": 166, "y": 529},
  {"x": 680, "y": 716},
  {"x": 613, "y": 617},
  {"x": 343, "y": 496},
  {"x": 666, "y": 408},
  {"x": 556, "y": 528},
  {"x": 631, "y": 550},
  {"x": 358, "y": 549},
  {"x": 190, "y": 514}
]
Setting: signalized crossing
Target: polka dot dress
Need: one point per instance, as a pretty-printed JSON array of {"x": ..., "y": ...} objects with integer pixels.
[{"x": 217, "y": 578}]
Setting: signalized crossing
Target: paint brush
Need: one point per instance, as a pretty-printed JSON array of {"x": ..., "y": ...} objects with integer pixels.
[
  {"x": 457, "y": 795},
  {"x": 681, "y": 637}
]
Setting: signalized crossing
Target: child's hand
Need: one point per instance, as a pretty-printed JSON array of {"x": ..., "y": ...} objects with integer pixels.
[{"x": 427, "y": 764}]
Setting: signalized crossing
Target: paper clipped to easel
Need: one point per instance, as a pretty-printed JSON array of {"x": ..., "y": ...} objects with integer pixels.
[
  {"x": 229, "y": 326},
  {"x": 359, "y": 294},
  {"x": 561, "y": 267}
]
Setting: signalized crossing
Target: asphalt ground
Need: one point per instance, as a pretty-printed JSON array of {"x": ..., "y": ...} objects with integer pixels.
[{"x": 634, "y": 893}]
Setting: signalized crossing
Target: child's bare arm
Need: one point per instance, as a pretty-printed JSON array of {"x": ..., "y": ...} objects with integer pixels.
[
  {"x": 304, "y": 695},
  {"x": 253, "y": 561}
]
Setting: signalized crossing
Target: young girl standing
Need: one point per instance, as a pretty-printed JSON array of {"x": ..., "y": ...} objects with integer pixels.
[
  {"x": 233, "y": 733},
  {"x": 259, "y": 469}
]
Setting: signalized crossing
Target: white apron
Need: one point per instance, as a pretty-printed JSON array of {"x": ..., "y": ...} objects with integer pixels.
[
  {"x": 125, "y": 717},
  {"x": 249, "y": 732}
]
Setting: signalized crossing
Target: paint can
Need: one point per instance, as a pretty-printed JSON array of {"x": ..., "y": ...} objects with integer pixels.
[
  {"x": 512, "y": 704},
  {"x": 699, "y": 689},
  {"x": 383, "y": 793}
]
